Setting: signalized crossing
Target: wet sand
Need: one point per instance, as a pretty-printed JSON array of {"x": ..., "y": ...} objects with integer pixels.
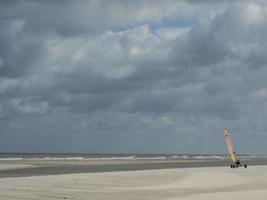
[{"x": 32, "y": 167}]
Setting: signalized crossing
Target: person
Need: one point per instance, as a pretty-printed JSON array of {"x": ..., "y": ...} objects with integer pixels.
[{"x": 238, "y": 163}]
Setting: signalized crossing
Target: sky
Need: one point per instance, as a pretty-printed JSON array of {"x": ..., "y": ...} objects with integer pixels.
[{"x": 121, "y": 76}]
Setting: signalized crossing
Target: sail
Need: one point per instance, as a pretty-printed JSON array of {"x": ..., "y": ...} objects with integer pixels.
[{"x": 230, "y": 145}]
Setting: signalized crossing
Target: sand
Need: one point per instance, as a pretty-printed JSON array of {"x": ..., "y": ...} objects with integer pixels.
[
  {"x": 165, "y": 184},
  {"x": 7, "y": 166},
  {"x": 35, "y": 167}
]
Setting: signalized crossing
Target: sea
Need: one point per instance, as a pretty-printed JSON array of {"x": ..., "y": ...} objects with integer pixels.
[{"x": 87, "y": 157}]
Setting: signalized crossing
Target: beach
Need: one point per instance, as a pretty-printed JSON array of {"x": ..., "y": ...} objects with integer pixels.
[{"x": 131, "y": 180}]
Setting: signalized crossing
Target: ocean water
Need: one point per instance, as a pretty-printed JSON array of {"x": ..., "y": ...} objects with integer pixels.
[{"x": 50, "y": 156}]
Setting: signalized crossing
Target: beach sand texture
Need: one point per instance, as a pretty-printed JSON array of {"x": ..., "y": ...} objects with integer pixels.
[{"x": 166, "y": 184}]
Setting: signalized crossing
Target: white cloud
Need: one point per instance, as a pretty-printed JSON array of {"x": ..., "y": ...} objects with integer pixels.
[
  {"x": 253, "y": 13},
  {"x": 172, "y": 33}
]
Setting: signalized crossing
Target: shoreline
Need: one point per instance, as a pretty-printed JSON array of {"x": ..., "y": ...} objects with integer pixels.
[{"x": 27, "y": 168}]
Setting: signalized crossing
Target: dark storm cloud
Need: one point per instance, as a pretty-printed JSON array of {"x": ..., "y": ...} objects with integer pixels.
[
  {"x": 66, "y": 76},
  {"x": 18, "y": 52},
  {"x": 68, "y": 18}
]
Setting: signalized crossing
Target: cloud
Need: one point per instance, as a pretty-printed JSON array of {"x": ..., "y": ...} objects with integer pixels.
[
  {"x": 131, "y": 76},
  {"x": 86, "y": 17}
]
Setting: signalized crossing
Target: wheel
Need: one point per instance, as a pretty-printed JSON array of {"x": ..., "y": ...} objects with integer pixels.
[{"x": 245, "y": 166}]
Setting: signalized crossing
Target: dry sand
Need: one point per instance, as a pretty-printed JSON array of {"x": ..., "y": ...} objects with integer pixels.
[{"x": 165, "y": 184}]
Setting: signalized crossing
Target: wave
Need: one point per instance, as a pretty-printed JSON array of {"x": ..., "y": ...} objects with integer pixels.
[
  {"x": 215, "y": 157},
  {"x": 130, "y": 157}
]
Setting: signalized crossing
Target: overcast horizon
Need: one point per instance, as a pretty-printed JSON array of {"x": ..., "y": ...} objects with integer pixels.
[{"x": 133, "y": 76}]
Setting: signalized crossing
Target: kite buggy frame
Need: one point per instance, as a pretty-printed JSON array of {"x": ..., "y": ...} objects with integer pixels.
[{"x": 237, "y": 164}]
